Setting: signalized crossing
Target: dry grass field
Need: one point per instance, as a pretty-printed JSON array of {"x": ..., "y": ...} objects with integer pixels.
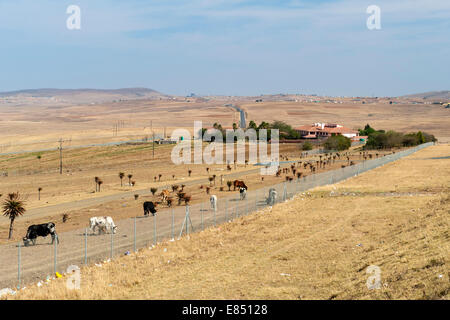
[
  {"x": 36, "y": 127},
  {"x": 316, "y": 246}
]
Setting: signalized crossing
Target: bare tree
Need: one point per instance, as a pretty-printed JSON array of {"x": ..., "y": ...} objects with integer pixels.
[{"x": 121, "y": 176}]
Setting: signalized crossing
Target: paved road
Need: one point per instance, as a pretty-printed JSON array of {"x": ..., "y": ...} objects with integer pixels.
[{"x": 243, "y": 123}]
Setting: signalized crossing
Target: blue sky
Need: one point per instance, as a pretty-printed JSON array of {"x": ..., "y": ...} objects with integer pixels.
[{"x": 229, "y": 47}]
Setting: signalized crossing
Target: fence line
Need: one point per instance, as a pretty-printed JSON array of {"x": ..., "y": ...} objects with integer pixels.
[{"x": 78, "y": 246}]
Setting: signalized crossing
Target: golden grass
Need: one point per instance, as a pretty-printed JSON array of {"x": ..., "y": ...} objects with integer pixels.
[{"x": 317, "y": 246}]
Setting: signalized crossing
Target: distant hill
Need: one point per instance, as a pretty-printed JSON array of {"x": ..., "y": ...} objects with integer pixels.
[
  {"x": 431, "y": 96},
  {"x": 77, "y": 96}
]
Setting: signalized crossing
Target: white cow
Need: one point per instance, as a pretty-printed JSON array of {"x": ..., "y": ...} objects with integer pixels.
[
  {"x": 104, "y": 224},
  {"x": 213, "y": 200},
  {"x": 243, "y": 193},
  {"x": 272, "y": 197}
]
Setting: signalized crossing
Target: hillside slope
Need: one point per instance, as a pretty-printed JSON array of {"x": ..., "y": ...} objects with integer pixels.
[
  {"x": 76, "y": 96},
  {"x": 431, "y": 96},
  {"x": 317, "y": 246}
]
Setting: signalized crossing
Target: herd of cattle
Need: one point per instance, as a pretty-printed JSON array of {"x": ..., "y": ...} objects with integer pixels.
[{"x": 106, "y": 224}]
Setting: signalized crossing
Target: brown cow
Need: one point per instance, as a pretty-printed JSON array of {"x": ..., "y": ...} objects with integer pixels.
[
  {"x": 164, "y": 195},
  {"x": 239, "y": 184}
]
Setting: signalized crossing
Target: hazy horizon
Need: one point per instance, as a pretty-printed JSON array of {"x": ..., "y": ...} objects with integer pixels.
[{"x": 218, "y": 95}]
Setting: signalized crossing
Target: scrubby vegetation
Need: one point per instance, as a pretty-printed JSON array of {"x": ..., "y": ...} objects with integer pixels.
[
  {"x": 338, "y": 143},
  {"x": 307, "y": 146},
  {"x": 380, "y": 139},
  {"x": 286, "y": 131}
]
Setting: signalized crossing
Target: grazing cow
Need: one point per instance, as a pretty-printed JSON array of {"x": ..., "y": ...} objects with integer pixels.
[
  {"x": 243, "y": 193},
  {"x": 239, "y": 184},
  {"x": 149, "y": 206},
  {"x": 164, "y": 195},
  {"x": 40, "y": 230},
  {"x": 272, "y": 197},
  {"x": 103, "y": 224},
  {"x": 213, "y": 200}
]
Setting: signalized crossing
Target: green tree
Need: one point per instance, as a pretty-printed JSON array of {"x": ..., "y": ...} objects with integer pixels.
[
  {"x": 13, "y": 207},
  {"x": 368, "y": 130},
  {"x": 264, "y": 125},
  {"x": 307, "y": 146},
  {"x": 338, "y": 143},
  {"x": 286, "y": 130},
  {"x": 420, "y": 137}
]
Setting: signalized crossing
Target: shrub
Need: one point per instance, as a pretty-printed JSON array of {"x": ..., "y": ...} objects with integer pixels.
[
  {"x": 307, "y": 146},
  {"x": 338, "y": 143}
]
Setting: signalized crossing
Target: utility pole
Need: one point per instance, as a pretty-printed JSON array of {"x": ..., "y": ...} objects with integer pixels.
[
  {"x": 153, "y": 144},
  {"x": 60, "y": 156},
  {"x": 60, "y": 153}
]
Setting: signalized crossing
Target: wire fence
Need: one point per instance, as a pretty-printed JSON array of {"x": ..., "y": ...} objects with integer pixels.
[{"x": 20, "y": 265}]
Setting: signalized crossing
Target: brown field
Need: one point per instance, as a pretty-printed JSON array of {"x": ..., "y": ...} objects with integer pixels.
[
  {"x": 36, "y": 127},
  {"x": 316, "y": 246}
]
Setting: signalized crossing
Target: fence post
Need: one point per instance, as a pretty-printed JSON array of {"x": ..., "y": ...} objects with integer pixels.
[
  {"x": 85, "y": 246},
  {"x": 112, "y": 245},
  {"x": 246, "y": 205},
  {"x": 186, "y": 217},
  {"x": 55, "y": 256},
  {"x": 226, "y": 211},
  {"x": 155, "y": 238},
  {"x": 18, "y": 267},
  {"x": 173, "y": 218},
  {"x": 215, "y": 208},
  {"x": 201, "y": 214},
  {"x": 284, "y": 191},
  {"x": 134, "y": 234}
]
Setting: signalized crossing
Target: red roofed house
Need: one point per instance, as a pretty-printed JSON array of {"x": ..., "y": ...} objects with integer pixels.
[{"x": 325, "y": 130}]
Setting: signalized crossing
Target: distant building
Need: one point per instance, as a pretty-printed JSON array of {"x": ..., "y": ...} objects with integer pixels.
[
  {"x": 325, "y": 130},
  {"x": 167, "y": 141}
]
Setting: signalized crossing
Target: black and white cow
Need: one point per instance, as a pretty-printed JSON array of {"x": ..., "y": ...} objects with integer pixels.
[
  {"x": 242, "y": 193},
  {"x": 40, "y": 230},
  {"x": 149, "y": 206}
]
